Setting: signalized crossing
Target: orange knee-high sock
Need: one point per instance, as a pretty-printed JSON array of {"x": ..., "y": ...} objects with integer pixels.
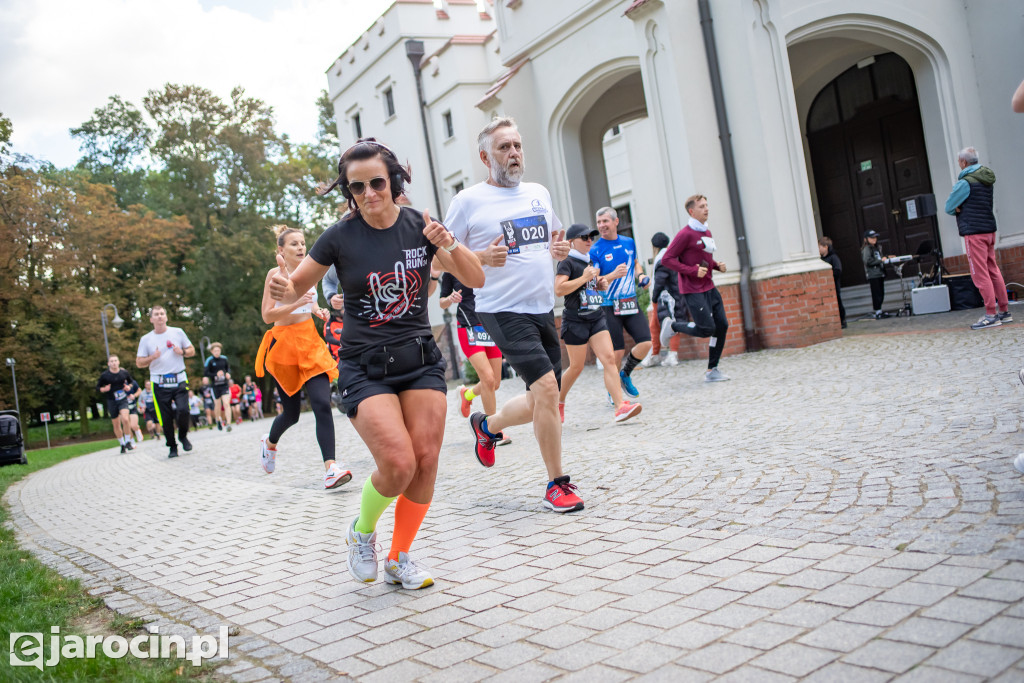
[{"x": 408, "y": 518}]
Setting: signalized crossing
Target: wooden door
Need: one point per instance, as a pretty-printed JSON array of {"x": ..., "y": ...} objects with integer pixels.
[{"x": 868, "y": 157}]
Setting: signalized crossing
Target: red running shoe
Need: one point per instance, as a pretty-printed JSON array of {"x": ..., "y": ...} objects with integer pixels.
[
  {"x": 561, "y": 496},
  {"x": 484, "y": 443},
  {"x": 626, "y": 411},
  {"x": 466, "y": 403}
]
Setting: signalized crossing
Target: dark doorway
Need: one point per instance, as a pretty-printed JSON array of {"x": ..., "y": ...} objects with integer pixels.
[
  {"x": 868, "y": 156},
  {"x": 625, "y": 221}
]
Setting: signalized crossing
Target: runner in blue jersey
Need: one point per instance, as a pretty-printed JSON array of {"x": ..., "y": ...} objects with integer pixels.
[{"x": 616, "y": 256}]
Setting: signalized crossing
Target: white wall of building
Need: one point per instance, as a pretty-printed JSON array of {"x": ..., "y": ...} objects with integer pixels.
[{"x": 582, "y": 66}]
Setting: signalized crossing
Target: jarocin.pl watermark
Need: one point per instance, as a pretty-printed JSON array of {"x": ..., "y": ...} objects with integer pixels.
[{"x": 27, "y": 648}]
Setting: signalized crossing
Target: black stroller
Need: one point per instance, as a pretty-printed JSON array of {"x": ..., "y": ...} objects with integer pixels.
[{"x": 12, "y": 445}]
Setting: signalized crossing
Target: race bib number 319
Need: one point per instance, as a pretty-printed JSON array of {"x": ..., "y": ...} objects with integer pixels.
[{"x": 525, "y": 234}]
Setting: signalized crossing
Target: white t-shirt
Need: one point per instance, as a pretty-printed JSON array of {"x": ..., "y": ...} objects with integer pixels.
[
  {"x": 305, "y": 308},
  {"x": 169, "y": 361},
  {"x": 525, "y": 218}
]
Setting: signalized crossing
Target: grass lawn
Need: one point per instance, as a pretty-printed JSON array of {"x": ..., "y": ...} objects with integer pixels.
[
  {"x": 33, "y": 598},
  {"x": 35, "y": 437}
]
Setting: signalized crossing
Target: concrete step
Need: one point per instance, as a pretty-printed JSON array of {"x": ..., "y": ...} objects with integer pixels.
[{"x": 857, "y": 299}]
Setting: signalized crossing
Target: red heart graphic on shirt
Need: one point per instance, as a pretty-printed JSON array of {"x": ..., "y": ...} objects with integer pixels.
[{"x": 170, "y": 344}]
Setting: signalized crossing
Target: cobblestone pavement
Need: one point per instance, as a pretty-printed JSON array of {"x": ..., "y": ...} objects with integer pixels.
[{"x": 847, "y": 511}]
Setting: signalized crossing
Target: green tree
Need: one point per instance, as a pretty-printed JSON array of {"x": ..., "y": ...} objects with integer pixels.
[{"x": 114, "y": 142}]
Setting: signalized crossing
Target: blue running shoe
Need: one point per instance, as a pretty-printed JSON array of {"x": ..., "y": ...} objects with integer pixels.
[{"x": 627, "y": 385}]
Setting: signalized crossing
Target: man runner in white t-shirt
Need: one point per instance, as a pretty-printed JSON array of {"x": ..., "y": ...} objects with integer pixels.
[
  {"x": 164, "y": 351},
  {"x": 512, "y": 227}
]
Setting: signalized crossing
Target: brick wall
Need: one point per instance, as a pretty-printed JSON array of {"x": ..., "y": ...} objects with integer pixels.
[
  {"x": 1010, "y": 259},
  {"x": 789, "y": 312}
]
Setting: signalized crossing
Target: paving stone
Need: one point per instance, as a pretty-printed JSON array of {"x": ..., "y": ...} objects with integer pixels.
[
  {"x": 914, "y": 593},
  {"x": 764, "y": 635},
  {"x": 719, "y": 657},
  {"x": 579, "y": 656},
  {"x": 966, "y": 610},
  {"x": 845, "y": 595},
  {"x": 645, "y": 658},
  {"x": 879, "y": 613},
  {"x": 889, "y": 655},
  {"x": 930, "y": 674},
  {"x": 1001, "y": 631},
  {"x": 509, "y": 656},
  {"x": 995, "y": 589},
  {"x": 840, "y": 635},
  {"x": 972, "y": 657},
  {"x": 848, "y": 673},
  {"x": 930, "y": 632},
  {"x": 794, "y": 659}
]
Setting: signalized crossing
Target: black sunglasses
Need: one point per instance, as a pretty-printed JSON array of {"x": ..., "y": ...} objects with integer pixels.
[
  {"x": 588, "y": 238},
  {"x": 376, "y": 184}
]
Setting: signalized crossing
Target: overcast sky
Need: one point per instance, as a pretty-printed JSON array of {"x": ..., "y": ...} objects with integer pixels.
[{"x": 61, "y": 59}]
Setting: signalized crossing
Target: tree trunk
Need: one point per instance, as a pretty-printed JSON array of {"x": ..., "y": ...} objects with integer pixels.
[{"x": 83, "y": 411}]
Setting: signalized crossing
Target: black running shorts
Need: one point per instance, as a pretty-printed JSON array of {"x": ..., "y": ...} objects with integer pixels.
[
  {"x": 579, "y": 332},
  {"x": 637, "y": 326},
  {"x": 528, "y": 341},
  {"x": 355, "y": 387},
  {"x": 115, "y": 406}
]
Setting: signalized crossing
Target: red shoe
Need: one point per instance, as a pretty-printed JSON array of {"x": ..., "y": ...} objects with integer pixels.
[
  {"x": 484, "y": 443},
  {"x": 561, "y": 496},
  {"x": 466, "y": 403},
  {"x": 561, "y": 412},
  {"x": 627, "y": 410}
]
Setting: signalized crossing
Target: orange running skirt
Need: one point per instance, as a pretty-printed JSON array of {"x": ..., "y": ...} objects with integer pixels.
[{"x": 293, "y": 354}]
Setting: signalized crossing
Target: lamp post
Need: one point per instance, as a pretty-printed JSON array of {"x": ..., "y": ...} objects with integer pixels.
[
  {"x": 414, "y": 51},
  {"x": 14, "y": 379},
  {"x": 116, "y": 321},
  {"x": 202, "y": 346}
]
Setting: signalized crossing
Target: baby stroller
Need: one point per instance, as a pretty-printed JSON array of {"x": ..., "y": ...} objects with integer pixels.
[{"x": 12, "y": 445}]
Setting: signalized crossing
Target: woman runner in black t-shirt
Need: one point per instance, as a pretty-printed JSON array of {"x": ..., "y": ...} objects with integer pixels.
[
  {"x": 391, "y": 372},
  {"x": 583, "y": 322},
  {"x": 480, "y": 350}
]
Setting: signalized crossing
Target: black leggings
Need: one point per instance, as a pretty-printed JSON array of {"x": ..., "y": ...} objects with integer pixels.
[
  {"x": 877, "y": 292},
  {"x": 319, "y": 391},
  {"x": 709, "y": 320}
]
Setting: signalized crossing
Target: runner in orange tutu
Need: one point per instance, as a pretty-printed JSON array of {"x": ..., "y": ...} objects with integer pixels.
[{"x": 296, "y": 357}]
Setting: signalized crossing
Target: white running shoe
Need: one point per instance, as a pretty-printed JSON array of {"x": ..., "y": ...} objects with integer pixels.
[
  {"x": 412, "y": 576},
  {"x": 1018, "y": 463},
  {"x": 268, "y": 456},
  {"x": 665, "y": 336},
  {"x": 671, "y": 360},
  {"x": 715, "y": 375},
  {"x": 362, "y": 554},
  {"x": 335, "y": 476}
]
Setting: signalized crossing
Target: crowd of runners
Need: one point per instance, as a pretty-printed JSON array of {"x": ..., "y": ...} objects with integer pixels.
[{"x": 500, "y": 258}]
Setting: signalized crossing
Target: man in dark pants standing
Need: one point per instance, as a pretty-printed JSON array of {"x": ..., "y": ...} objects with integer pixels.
[
  {"x": 829, "y": 256},
  {"x": 691, "y": 255},
  {"x": 164, "y": 351}
]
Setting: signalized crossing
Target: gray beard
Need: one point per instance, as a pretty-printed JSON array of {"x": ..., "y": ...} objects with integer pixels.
[{"x": 501, "y": 176}]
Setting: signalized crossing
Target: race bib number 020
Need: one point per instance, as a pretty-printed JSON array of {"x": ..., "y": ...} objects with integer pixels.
[{"x": 525, "y": 234}]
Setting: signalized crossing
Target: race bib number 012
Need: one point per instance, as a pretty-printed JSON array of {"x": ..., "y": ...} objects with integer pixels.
[
  {"x": 525, "y": 234},
  {"x": 590, "y": 298}
]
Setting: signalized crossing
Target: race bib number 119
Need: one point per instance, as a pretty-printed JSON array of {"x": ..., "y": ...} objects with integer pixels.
[{"x": 525, "y": 234}]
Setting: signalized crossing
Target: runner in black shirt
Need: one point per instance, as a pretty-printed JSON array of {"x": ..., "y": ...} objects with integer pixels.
[
  {"x": 391, "y": 372},
  {"x": 481, "y": 351},
  {"x": 115, "y": 383},
  {"x": 583, "y": 321},
  {"x": 219, "y": 371}
]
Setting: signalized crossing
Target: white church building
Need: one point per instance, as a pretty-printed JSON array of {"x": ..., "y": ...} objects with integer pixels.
[{"x": 796, "y": 119}]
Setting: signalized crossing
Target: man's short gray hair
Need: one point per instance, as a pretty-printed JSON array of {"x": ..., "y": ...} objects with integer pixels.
[
  {"x": 607, "y": 211},
  {"x": 483, "y": 140},
  {"x": 969, "y": 156}
]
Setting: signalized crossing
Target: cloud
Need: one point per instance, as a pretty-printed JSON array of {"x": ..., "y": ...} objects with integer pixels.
[{"x": 61, "y": 59}]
